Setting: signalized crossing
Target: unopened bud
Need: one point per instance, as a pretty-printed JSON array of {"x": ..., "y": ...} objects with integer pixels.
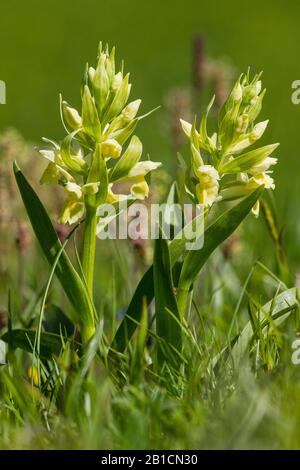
[
  {"x": 130, "y": 111},
  {"x": 71, "y": 116},
  {"x": 242, "y": 124},
  {"x": 251, "y": 92},
  {"x": 237, "y": 92},
  {"x": 117, "y": 81},
  {"x": 258, "y": 130},
  {"x": 258, "y": 87},
  {"x": 91, "y": 74}
]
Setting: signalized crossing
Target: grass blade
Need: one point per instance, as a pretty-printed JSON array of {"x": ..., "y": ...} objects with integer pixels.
[{"x": 276, "y": 310}]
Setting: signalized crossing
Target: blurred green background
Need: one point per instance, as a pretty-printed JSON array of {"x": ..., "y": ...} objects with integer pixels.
[{"x": 44, "y": 47}]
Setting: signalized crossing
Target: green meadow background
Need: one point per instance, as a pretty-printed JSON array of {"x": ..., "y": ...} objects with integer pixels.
[{"x": 44, "y": 46}]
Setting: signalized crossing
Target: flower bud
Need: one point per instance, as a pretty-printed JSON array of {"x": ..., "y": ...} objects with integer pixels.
[
  {"x": 130, "y": 111},
  {"x": 237, "y": 92},
  {"x": 117, "y": 81},
  {"x": 111, "y": 149},
  {"x": 242, "y": 124},
  {"x": 71, "y": 116},
  {"x": 119, "y": 100},
  {"x": 110, "y": 65},
  {"x": 256, "y": 105},
  {"x": 101, "y": 84},
  {"x": 258, "y": 87},
  {"x": 186, "y": 127},
  {"x": 258, "y": 130},
  {"x": 251, "y": 92},
  {"x": 91, "y": 73}
]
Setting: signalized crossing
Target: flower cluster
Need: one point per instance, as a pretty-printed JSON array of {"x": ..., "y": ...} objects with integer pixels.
[
  {"x": 220, "y": 167},
  {"x": 90, "y": 159}
]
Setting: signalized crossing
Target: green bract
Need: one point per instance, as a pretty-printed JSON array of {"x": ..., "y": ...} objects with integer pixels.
[
  {"x": 219, "y": 169},
  {"x": 91, "y": 158}
]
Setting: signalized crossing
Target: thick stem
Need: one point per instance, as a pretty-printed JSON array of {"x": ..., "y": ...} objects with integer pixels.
[{"x": 88, "y": 261}]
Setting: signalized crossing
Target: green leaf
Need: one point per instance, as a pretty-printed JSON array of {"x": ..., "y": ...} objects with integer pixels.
[
  {"x": 129, "y": 158},
  {"x": 214, "y": 235},
  {"x": 50, "y": 244},
  {"x": 73, "y": 162},
  {"x": 51, "y": 344},
  {"x": 176, "y": 222},
  {"x": 122, "y": 135},
  {"x": 248, "y": 160},
  {"x": 205, "y": 141},
  {"x": 90, "y": 119},
  {"x": 168, "y": 326},
  {"x": 145, "y": 290},
  {"x": 119, "y": 100},
  {"x": 101, "y": 84}
]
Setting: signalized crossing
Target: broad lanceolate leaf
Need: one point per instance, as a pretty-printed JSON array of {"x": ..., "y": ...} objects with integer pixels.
[
  {"x": 168, "y": 327},
  {"x": 51, "y": 344},
  {"x": 51, "y": 246},
  {"x": 214, "y": 235}
]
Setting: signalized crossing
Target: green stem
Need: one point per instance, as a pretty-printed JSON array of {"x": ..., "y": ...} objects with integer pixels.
[
  {"x": 88, "y": 261},
  {"x": 183, "y": 291},
  {"x": 182, "y": 301}
]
